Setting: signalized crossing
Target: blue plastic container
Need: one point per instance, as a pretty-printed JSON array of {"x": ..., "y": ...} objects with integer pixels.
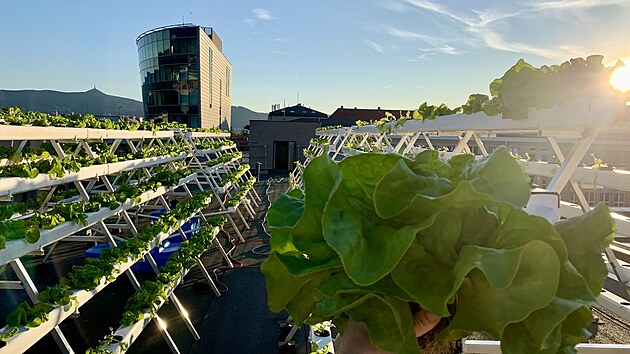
[{"x": 193, "y": 224}]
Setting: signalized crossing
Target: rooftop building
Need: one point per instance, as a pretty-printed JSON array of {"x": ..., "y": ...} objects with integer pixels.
[{"x": 185, "y": 76}]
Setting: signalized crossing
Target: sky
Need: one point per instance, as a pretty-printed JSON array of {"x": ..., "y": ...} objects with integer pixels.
[{"x": 393, "y": 54}]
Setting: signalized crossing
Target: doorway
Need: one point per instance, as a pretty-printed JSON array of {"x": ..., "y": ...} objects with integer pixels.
[{"x": 284, "y": 155}]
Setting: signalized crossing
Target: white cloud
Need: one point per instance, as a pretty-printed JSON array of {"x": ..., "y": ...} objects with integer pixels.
[
  {"x": 249, "y": 22},
  {"x": 574, "y": 4},
  {"x": 263, "y": 14},
  {"x": 419, "y": 57},
  {"x": 438, "y": 45},
  {"x": 480, "y": 26},
  {"x": 377, "y": 47},
  {"x": 445, "y": 49},
  {"x": 410, "y": 35}
]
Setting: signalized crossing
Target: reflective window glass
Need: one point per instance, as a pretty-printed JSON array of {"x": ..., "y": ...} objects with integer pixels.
[
  {"x": 183, "y": 46},
  {"x": 193, "y": 71},
  {"x": 165, "y": 46},
  {"x": 194, "y": 97},
  {"x": 194, "y": 122},
  {"x": 192, "y": 45}
]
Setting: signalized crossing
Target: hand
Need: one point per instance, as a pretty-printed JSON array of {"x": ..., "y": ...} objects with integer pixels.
[
  {"x": 424, "y": 321},
  {"x": 356, "y": 340}
]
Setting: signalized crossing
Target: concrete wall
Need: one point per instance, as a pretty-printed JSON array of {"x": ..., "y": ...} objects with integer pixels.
[
  {"x": 217, "y": 109},
  {"x": 263, "y": 133}
]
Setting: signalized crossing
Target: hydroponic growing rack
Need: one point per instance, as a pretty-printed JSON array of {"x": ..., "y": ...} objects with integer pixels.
[{"x": 197, "y": 193}]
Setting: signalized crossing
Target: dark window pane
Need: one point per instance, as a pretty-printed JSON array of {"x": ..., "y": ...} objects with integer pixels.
[
  {"x": 192, "y": 45},
  {"x": 194, "y": 97}
]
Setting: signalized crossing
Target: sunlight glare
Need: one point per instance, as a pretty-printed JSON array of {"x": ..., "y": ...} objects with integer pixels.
[{"x": 620, "y": 79}]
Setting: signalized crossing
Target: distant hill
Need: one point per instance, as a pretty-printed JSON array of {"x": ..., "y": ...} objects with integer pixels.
[
  {"x": 98, "y": 103},
  {"x": 242, "y": 115},
  {"x": 91, "y": 101}
]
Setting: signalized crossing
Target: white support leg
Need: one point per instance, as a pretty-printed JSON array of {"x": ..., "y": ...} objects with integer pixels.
[
  {"x": 206, "y": 275},
  {"x": 576, "y": 187},
  {"x": 463, "y": 142},
  {"x": 567, "y": 168}
]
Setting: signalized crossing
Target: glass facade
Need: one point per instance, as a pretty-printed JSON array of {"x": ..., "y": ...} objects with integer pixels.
[{"x": 169, "y": 72}]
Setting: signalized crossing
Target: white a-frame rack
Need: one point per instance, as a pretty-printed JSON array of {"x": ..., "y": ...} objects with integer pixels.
[{"x": 104, "y": 225}]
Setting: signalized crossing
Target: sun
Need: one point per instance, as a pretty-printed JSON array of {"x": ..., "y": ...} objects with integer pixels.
[{"x": 620, "y": 78}]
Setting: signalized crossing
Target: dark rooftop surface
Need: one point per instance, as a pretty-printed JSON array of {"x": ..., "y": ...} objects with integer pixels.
[{"x": 297, "y": 111}]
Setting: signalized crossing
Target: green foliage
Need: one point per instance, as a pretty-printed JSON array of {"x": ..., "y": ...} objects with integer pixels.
[
  {"x": 215, "y": 145},
  {"x": 105, "y": 342},
  {"x": 28, "y": 316},
  {"x": 241, "y": 193},
  {"x": 225, "y": 158},
  {"x": 58, "y": 295},
  {"x": 77, "y": 211},
  {"x": 149, "y": 298},
  {"x": 15, "y": 116},
  {"x": 330, "y": 127},
  {"x": 524, "y": 86},
  {"x": 475, "y": 103},
  {"x": 426, "y": 111},
  {"x": 235, "y": 176},
  {"x": 375, "y": 232},
  {"x": 16, "y": 229},
  {"x": 146, "y": 300}
]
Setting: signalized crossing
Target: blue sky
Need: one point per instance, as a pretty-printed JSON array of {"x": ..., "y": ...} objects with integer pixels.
[{"x": 388, "y": 53}]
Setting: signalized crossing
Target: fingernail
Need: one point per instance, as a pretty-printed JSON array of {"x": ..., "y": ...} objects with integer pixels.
[{"x": 432, "y": 317}]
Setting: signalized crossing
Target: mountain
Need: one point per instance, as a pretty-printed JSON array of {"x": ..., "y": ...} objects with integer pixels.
[
  {"x": 242, "y": 115},
  {"x": 91, "y": 101}
]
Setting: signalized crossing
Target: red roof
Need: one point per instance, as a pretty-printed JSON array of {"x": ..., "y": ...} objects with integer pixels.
[{"x": 355, "y": 114}]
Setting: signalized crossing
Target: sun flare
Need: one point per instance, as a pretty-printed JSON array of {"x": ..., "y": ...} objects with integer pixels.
[{"x": 620, "y": 78}]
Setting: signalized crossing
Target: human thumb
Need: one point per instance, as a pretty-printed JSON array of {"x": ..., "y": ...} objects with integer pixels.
[{"x": 424, "y": 321}]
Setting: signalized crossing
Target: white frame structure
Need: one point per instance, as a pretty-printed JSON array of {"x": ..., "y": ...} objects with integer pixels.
[{"x": 101, "y": 226}]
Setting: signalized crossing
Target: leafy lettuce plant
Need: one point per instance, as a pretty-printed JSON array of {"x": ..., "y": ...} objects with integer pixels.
[{"x": 374, "y": 234}]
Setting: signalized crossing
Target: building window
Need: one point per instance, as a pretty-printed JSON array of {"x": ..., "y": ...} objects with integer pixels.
[
  {"x": 620, "y": 200},
  {"x": 590, "y": 198},
  {"x": 605, "y": 198},
  {"x": 210, "y": 67},
  {"x": 573, "y": 197},
  {"x": 227, "y": 82}
]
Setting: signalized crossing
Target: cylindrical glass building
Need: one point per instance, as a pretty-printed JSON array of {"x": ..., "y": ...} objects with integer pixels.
[{"x": 180, "y": 66}]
